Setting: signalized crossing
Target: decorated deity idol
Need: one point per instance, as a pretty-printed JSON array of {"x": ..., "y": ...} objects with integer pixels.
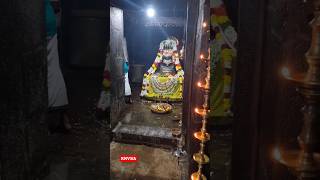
[{"x": 164, "y": 79}]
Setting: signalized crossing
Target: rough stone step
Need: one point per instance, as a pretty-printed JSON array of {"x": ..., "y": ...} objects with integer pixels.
[{"x": 152, "y": 136}]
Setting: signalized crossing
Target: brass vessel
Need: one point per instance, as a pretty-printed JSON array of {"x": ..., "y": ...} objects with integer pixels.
[{"x": 305, "y": 162}]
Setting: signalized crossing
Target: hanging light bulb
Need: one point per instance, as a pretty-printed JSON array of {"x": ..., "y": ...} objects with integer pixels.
[{"x": 151, "y": 12}]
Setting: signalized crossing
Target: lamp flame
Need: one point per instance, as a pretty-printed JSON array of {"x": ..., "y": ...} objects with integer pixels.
[
  {"x": 285, "y": 72},
  {"x": 199, "y": 84},
  {"x": 201, "y": 56},
  {"x": 277, "y": 154},
  {"x": 204, "y": 24},
  {"x": 196, "y": 110},
  {"x": 195, "y": 134}
]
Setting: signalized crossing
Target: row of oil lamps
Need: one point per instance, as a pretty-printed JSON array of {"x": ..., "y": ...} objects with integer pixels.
[
  {"x": 303, "y": 162},
  {"x": 200, "y": 157}
]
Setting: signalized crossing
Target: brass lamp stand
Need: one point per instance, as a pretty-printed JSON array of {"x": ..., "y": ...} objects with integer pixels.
[
  {"x": 305, "y": 162},
  {"x": 201, "y": 158}
]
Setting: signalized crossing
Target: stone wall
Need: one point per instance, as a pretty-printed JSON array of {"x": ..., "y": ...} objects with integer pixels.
[
  {"x": 116, "y": 63},
  {"x": 23, "y": 75}
]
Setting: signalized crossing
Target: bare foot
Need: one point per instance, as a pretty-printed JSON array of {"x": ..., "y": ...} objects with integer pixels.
[{"x": 66, "y": 122}]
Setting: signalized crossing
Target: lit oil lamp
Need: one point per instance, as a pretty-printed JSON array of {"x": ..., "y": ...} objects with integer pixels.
[
  {"x": 200, "y": 157},
  {"x": 305, "y": 161},
  {"x": 201, "y": 56},
  {"x": 199, "y": 84},
  {"x": 204, "y": 24}
]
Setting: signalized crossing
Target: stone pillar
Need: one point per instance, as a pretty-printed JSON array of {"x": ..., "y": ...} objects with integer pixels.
[{"x": 23, "y": 78}]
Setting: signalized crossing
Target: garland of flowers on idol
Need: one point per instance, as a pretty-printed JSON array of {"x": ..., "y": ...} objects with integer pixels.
[
  {"x": 151, "y": 70},
  {"x": 180, "y": 72},
  {"x": 165, "y": 88},
  {"x": 155, "y": 64},
  {"x": 171, "y": 85},
  {"x": 223, "y": 51}
]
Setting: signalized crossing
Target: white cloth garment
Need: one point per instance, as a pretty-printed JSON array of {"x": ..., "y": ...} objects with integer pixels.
[
  {"x": 56, "y": 86},
  {"x": 104, "y": 100},
  {"x": 127, "y": 87},
  {"x": 105, "y": 95}
]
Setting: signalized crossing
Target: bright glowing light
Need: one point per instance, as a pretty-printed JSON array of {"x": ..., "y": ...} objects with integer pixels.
[
  {"x": 201, "y": 56},
  {"x": 204, "y": 24},
  {"x": 276, "y": 154},
  {"x": 195, "y": 135},
  {"x": 196, "y": 110},
  {"x": 151, "y": 12},
  {"x": 199, "y": 84},
  {"x": 285, "y": 72}
]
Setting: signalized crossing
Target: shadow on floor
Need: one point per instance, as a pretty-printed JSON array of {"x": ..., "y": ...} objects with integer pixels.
[{"x": 82, "y": 154}]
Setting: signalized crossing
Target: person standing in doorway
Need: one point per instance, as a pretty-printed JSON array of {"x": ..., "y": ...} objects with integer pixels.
[
  {"x": 57, "y": 93},
  {"x": 127, "y": 87},
  {"x": 104, "y": 103}
]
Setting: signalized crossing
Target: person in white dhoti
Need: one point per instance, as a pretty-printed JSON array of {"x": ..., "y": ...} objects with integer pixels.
[
  {"x": 57, "y": 93},
  {"x": 56, "y": 86},
  {"x": 127, "y": 87}
]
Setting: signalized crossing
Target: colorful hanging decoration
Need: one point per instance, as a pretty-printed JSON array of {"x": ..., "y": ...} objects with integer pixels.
[{"x": 223, "y": 38}]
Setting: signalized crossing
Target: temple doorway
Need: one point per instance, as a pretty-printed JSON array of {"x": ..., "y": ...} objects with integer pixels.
[
  {"x": 146, "y": 49},
  {"x": 147, "y": 77}
]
